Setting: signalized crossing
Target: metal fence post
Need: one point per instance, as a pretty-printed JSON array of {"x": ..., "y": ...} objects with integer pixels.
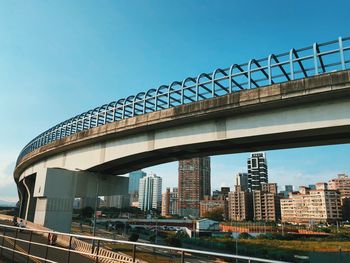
[
  {"x": 2, "y": 241},
  {"x": 134, "y": 253},
  {"x": 98, "y": 249},
  {"x": 341, "y": 52},
  {"x": 29, "y": 245},
  {"x": 47, "y": 245},
  {"x": 182, "y": 256},
  {"x": 70, "y": 247},
  {"x": 14, "y": 246}
]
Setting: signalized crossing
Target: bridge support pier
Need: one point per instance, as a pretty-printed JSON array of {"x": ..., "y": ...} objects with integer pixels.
[{"x": 50, "y": 203}]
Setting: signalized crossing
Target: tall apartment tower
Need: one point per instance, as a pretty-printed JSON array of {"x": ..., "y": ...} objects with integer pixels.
[
  {"x": 150, "y": 192},
  {"x": 166, "y": 202},
  {"x": 266, "y": 203},
  {"x": 257, "y": 171},
  {"x": 194, "y": 184},
  {"x": 174, "y": 202}
]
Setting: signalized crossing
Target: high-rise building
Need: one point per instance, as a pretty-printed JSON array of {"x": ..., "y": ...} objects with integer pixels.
[
  {"x": 223, "y": 192},
  {"x": 287, "y": 189},
  {"x": 150, "y": 192},
  {"x": 166, "y": 202},
  {"x": 174, "y": 201},
  {"x": 242, "y": 181},
  {"x": 194, "y": 184},
  {"x": 306, "y": 206},
  {"x": 118, "y": 201},
  {"x": 134, "y": 181},
  {"x": 266, "y": 203},
  {"x": 257, "y": 171},
  {"x": 170, "y": 202}
]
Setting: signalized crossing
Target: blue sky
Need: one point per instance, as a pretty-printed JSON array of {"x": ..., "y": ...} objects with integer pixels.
[{"x": 60, "y": 58}]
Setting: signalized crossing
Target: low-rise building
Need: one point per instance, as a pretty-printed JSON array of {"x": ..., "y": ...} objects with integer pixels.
[
  {"x": 210, "y": 204},
  {"x": 312, "y": 206},
  {"x": 207, "y": 225}
]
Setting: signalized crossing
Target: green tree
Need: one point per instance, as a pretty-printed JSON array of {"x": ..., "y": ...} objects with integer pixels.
[
  {"x": 216, "y": 214},
  {"x": 134, "y": 237},
  {"x": 87, "y": 212},
  {"x": 244, "y": 235},
  {"x": 152, "y": 238}
]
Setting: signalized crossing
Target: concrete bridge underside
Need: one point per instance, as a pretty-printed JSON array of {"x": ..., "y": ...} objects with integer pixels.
[{"x": 306, "y": 112}]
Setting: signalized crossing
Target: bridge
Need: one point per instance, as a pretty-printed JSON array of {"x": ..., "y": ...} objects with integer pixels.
[{"x": 294, "y": 99}]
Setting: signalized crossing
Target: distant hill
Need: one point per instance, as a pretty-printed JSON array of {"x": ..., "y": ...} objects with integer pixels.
[{"x": 7, "y": 204}]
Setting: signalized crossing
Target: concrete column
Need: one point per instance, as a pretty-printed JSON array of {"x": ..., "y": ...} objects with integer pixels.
[
  {"x": 55, "y": 190},
  {"x": 23, "y": 199},
  {"x": 29, "y": 183}
]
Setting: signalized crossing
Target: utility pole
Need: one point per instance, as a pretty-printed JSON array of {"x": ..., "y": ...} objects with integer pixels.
[{"x": 96, "y": 205}]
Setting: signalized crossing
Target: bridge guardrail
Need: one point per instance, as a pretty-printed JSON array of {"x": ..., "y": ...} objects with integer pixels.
[
  {"x": 72, "y": 243},
  {"x": 295, "y": 64}
]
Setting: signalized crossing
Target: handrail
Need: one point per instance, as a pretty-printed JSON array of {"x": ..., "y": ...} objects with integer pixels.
[
  {"x": 95, "y": 239},
  {"x": 309, "y": 61}
]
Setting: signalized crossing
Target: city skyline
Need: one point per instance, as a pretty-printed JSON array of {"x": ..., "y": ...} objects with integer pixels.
[{"x": 86, "y": 54}]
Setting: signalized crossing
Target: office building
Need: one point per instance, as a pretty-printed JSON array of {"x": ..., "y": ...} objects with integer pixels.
[
  {"x": 257, "y": 171},
  {"x": 194, "y": 184},
  {"x": 242, "y": 181},
  {"x": 287, "y": 189},
  {"x": 312, "y": 206},
  {"x": 150, "y": 192},
  {"x": 223, "y": 192},
  {"x": 134, "y": 181},
  {"x": 117, "y": 201}
]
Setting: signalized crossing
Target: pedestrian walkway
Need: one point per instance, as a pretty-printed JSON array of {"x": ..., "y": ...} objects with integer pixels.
[{"x": 53, "y": 253}]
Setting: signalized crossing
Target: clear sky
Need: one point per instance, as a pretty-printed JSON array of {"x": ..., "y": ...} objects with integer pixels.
[{"x": 60, "y": 58}]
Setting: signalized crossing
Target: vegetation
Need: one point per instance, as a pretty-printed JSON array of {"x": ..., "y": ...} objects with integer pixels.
[
  {"x": 173, "y": 241},
  {"x": 87, "y": 212},
  {"x": 216, "y": 214},
  {"x": 134, "y": 237},
  {"x": 152, "y": 238},
  {"x": 244, "y": 235}
]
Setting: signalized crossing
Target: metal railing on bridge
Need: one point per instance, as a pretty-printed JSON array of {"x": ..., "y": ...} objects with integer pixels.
[
  {"x": 295, "y": 64},
  {"x": 24, "y": 245}
]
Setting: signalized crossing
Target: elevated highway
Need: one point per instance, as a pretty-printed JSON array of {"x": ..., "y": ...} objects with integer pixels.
[{"x": 66, "y": 161}]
